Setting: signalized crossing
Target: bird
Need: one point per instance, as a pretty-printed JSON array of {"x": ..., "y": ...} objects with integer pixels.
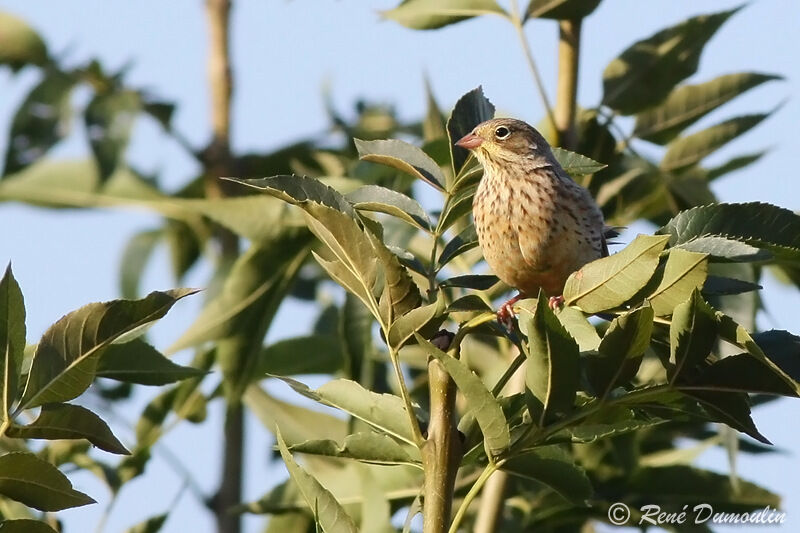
[{"x": 535, "y": 225}]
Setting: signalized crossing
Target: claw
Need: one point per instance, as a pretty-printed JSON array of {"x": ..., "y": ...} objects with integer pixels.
[
  {"x": 505, "y": 315},
  {"x": 555, "y": 302}
]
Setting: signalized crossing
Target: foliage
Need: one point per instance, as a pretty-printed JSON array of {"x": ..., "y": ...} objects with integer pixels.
[{"x": 655, "y": 343}]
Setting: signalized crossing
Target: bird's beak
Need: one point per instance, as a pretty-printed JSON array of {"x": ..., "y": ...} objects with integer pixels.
[{"x": 470, "y": 141}]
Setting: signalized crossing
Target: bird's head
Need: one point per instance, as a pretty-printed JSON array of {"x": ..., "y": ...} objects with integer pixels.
[{"x": 506, "y": 139}]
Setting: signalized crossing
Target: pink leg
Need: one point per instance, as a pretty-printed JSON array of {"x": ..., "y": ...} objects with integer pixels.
[
  {"x": 505, "y": 315},
  {"x": 555, "y": 302}
]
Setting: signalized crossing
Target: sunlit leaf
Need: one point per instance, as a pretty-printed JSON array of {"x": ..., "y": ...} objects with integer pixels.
[
  {"x": 404, "y": 157},
  {"x": 37, "y": 484},
  {"x": 646, "y": 72},
  {"x": 407, "y": 325},
  {"x": 383, "y": 200},
  {"x": 12, "y": 340},
  {"x": 684, "y": 272},
  {"x": 25, "y": 525},
  {"x": 432, "y": 14},
  {"x": 369, "y": 447},
  {"x": 66, "y": 358},
  {"x": 611, "y": 281},
  {"x": 299, "y": 190},
  {"x": 576, "y": 164},
  {"x": 724, "y": 248},
  {"x": 20, "y": 45}
]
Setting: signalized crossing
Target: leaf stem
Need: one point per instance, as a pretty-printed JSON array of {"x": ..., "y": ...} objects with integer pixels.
[
  {"x": 490, "y": 469},
  {"x": 398, "y": 372},
  {"x": 516, "y": 20}
]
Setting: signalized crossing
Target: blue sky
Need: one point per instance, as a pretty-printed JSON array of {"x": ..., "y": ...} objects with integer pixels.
[{"x": 284, "y": 53}]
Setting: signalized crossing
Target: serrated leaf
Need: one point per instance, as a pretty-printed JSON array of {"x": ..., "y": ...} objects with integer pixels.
[
  {"x": 611, "y": 281},
  {"x": 20, "y": 45},
  {"x": 66, "y": 358},
  {"x": 552, "y": 368},
  {"x": 138, "y": 362},
  {"x": 404, "y": 157},
  {"x": 433, "y": 14},
  {"x": 740, "y": 373},
  {"x": 299, "y": 190},
  {"x": 312, "y": 354},
  {"x": 621, "y": 350},
  {"x": 470, "y": 110},
  {"x": 385, "y": 412},
  {"x": 592, "y": 432},
  {"x": 729, "y": 408},
  {"x": 646, "y": 72},
  {"x": 724, "y": 248},
  {"x": 298, "y": 424},
  {"x": 576, "y": 164},
  {"x": 480, "y": 402},
  {"x": 368, "y": 447},
  {"x": 38, "y": 484},
  {"x": 685, "y": 105},
  {"x": 764, "y": 226},
  {"x": 684, "y": 272},
  {"x": 692, "y": 334},
  {"x": 463, "y": 242},
  {"x": 109, "y": 120},
  {"x": 65, "y": 421},
  {"x": 12, "y": 340},
  {"x": 383, "y": 200},
  {"x": 691, "y": 149},
  {"x": 41, "y": 121},
  {"x": 554, "y": 467},
  {"x": 561, "y": 9},
  {"x": 328, "y": 513},
  {"x": 25, "y": 525}
]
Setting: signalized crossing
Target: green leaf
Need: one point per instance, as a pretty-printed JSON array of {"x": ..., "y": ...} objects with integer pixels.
[
  {"x": 733, "y": 164},
  {"x": 470, "y": 110},
  {"x": 299, "y": 190},
  {"x": 576, "y": 164},
  {"x": 740, "y": 373},
  {"x": 328, "y": 513},
  {"x": 20, "y": 45},
  {"x": 138, "y": 362},
  {"x": 184, "y": 246},
  {"x": 254, "y": 286},
  {"x": 409, "y": 324},
  {"x": 684, "y": 272},
  {"x": 480, "y": 402},
  {"x": 554, "y": 467},
  {"x": 312, "y": 354},
  {"x": 376, "y": 512},
  {"x": 463, "y": 242},
  {"x": 692, "y": 335},
  {"x": 66, "y": 358},
  {"x": 612, "y": 281},
  {"x": 38, "y": 484},
  {"x": 151, "y": 525},
  {"x": 404, "y": 157},
  {"x": 693, "y": 148},
  {"x": 458, "y": 205},
  {"x": 25, "y": 525},
  {"x": 783, "y": 349},
  {"x": 478, "y": 282},
  {"x": 469, "y": 303},
  {"x": 65, "y": 421},
  {"x": 12, "y": 340},
  {"x": 383, "y": 200},
  {"x": 561, "y": 9},
  {"x": 724, "y": 248},
  {"x": 298, "y": 424},
  {"x": 685, "y": 105},
  {"x": 552, "y": 369},
  {"x": 719, "y": 286},
  {"x": 729, "y": 408},
  {"x": 647, "y": 71},
  {"x": 134, "y": 260},
  {"x": 579, "y": 328},
  {"x": 109, "y": 120},
  {"x": 369, "y": 447},
  {"x": 433, "y": 14},
  {"x": 41, "y": 121},
  {"x": 433, "y": 126},
  {"x": 386, "y": 412},
  {"x": 764, "y": 226},
  {"x": 592, "y": 432},
  {"x": 621, "y": 350}
]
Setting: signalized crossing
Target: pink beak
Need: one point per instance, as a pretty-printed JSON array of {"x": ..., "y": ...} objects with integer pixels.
[{"x": 470, "y": 141}]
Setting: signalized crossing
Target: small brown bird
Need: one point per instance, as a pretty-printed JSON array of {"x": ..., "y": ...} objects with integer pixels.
[{"x": 535, "y": 225}]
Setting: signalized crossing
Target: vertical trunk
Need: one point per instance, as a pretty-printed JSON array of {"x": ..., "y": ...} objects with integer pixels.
[{"x": 569, "y": 47}]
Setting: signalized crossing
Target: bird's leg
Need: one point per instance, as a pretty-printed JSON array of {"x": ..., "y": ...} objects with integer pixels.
[
  {"x": 555, "y": 302},
  {"x": 505, "y": 315}
]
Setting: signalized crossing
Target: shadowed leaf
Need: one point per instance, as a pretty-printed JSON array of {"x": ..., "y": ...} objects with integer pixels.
[
  {"x": 692, "y": 334},
  {"x": 470, "y": 110},
  {"x": 25, "y": 525},
  {"x": 368, "y": 447},
  {"x": 138, "y": 362},
  {"x": 561, "y": 9},
  {"x": 12, "y": 340},
  {"x": 576, "y": 164},
  {"x": 109, "y": 120},
  {"x": 404, "y": 157},
  {"x": 554, "y": 467},
  {"x": 463, "y": 242},
  {"x": 38, "y": 484},
  {"x": 151, "y": 525},
  {"x": 383, "y": 200}
]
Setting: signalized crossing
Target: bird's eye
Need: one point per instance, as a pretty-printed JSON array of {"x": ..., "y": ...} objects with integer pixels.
[{"x": 502, "y": 132}]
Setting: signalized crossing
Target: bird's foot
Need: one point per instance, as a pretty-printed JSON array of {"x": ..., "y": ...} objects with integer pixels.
[
  {"x": 505, "y": 315},
  {"x": 555, "y": 302}
]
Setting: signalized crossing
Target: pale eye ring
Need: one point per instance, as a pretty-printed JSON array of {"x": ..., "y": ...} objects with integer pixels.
[{"x": 502, "y": 133}]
